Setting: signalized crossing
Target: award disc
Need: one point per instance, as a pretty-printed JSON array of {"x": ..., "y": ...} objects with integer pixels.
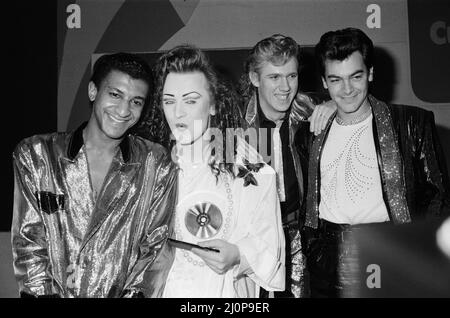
[{"x": 203, "y": 220}]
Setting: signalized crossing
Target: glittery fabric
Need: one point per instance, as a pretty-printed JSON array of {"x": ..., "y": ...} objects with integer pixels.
[
  {"x": 392, "y": 172},
  {"x": 313, "y": 193},
  {"x": 66, "y": 243},
  {"x": 301, "y": 109},
  {"x": 425, "y": 174},
  {"x": 413, "y": 171},
  {"x": 295, "y": 269}
]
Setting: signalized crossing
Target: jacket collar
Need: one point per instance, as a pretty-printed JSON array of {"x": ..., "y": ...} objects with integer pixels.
[
  {"x": 255, "y": 112},
  {"x": 391, "y": 165},
  {"x": 252, "y": 110},
  {"x": 76, "y": 142}
]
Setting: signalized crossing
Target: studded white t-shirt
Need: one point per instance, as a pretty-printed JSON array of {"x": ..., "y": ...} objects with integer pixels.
[{"x": 350, "y": 187}]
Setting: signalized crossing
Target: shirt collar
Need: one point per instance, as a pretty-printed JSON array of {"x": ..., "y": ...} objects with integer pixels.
[{"x": 76, "y": 142}]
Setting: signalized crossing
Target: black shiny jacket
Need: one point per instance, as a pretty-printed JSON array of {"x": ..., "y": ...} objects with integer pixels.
[{"x": 415, "y": 179}]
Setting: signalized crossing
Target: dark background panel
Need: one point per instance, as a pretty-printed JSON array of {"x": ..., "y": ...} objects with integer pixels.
[
  {"x": 430, "y": 49},
  {"x": 410, "y": 262},
  {"x": 31, "y": 65}
]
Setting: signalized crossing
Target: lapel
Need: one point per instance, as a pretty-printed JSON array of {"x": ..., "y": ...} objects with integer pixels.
[
  {"x": 294, "y": 125},
  {"x": 75, "y": 177},
  {"x": 252, "y": 121},
  {"x": 313, "y": 192},
  {"x": 391, "y": 164},
  {"x": 115, "y": 186},
  {"x": 251, "y": 113}
]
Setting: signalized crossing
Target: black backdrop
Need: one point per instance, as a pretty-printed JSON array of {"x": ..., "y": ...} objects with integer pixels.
[{"x": 31, "y": 64}]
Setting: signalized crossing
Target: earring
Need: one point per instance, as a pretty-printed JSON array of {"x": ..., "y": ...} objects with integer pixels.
[{"x": 212, "y": 121}]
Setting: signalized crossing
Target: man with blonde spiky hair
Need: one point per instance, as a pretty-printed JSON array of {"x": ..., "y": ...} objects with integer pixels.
[{"x": 280, "y": 113}]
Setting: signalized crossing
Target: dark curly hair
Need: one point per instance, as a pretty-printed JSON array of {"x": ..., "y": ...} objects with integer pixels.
[
  {"x": 276, "y": 49},
  {"x": 186, "y": 59},
  {"x": 340, "y": 44}
]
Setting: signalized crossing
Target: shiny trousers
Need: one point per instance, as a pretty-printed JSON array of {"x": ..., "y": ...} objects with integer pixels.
[{"x": 332, "y": 260}]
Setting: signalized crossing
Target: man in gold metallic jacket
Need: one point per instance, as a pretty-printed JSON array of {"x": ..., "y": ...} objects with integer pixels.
[{"x": 93, "y": 205}]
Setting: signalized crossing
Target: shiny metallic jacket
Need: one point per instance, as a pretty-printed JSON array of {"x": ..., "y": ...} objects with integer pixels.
[
  {"x": 64, "y": 241},
  {"x": 414, "y": 176},
  {"x": 302, "y": 107}
]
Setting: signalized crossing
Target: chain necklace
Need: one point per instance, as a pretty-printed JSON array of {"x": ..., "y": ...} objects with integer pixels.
[{"x": 355, "y": 120}]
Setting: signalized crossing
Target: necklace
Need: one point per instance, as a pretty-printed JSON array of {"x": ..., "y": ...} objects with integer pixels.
[
  {"x": 355, "y": 120},
  {"x": 204, "y": 221}
]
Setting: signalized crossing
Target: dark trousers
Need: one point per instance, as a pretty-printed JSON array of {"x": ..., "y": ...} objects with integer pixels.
[{"x": 332, "y": 260}]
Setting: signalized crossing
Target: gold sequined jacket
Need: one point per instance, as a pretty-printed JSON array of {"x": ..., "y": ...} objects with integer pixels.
[
  {"x": 68, "y": 244},
  {"x": 414, "y": 176}
]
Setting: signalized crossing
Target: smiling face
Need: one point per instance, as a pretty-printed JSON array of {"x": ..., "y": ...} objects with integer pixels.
[
  {"x": 347, "y": 82},
  {"x": 117, "y": 104},
  {"x": 187, "y": 105},
  {"x": 277, "y": 86}
]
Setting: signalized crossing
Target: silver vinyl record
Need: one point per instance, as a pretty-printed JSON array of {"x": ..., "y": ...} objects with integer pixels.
[{"x": 203, "y": 220}]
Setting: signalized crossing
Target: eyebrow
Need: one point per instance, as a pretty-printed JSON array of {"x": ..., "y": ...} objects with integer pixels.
[
  {"x": 193, "y": 92},
  {"x": 353, "y": 74},
  {"x": 121, "y": 92},
  {"x": 114, "y": 88},
  {"x": 280, "y": 74},
  {"x": 184, "y": 95}
]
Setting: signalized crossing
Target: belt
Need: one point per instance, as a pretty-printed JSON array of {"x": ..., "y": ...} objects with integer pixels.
[{"x": 342, "y": 232}]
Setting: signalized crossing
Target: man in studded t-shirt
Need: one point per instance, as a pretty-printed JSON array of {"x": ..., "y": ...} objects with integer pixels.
[{"x": 373, "y": 163}]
